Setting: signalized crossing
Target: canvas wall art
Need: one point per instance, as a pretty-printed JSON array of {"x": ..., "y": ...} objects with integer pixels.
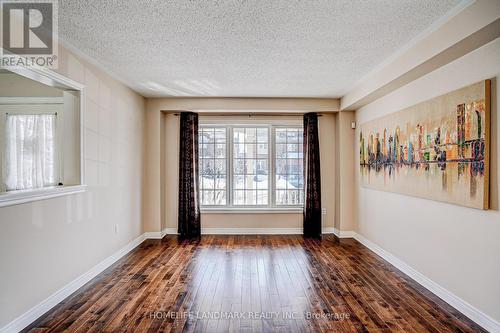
[{"x": 438, "y": 149}]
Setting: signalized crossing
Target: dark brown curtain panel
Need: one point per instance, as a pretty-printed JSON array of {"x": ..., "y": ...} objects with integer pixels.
[
  {"x": 312, "y": 177},
  {"x": 189, "y": 203}
]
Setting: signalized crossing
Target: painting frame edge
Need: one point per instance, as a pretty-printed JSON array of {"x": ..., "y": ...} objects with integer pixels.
[
  {"x": 487, "y": 143},
  {"x": 486, "y": 204}
]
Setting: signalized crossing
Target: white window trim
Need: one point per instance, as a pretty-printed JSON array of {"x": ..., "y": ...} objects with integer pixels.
[
  {"x": 23, "y": 196},
  {"x": 52, "y": 79},
  {"x": 230, "y": 123}
]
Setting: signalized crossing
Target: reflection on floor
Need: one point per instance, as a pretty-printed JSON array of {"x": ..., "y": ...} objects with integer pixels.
[{"x": 253, "y": 284}]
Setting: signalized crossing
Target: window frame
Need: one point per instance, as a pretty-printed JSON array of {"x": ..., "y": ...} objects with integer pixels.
[
  {"x": 53, "y": 79},
  {"x": 230, "y": 125}
]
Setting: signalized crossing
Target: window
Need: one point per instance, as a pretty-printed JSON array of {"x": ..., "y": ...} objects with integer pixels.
[
  {"x": 251, "y": 166},
  {"x": 30, "y": 151}
]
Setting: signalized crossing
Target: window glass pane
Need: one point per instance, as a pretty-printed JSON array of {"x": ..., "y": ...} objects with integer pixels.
[
  {"x": 207, "y": 167},
  {"x": 220, "y": 150},
  {"x": 238, "y": 135},
  {"x": 262, "y": 150},
  {"x": 262, "y": 197},
  {"x": 251, "y": 198},
  {"x": 281, "y": 167},
  {"x": 213, "y": 162},
  {"x": 281, "y": 182},
  {"x": 207, "y": 135},
  {"x": 207, "y": 197},
  {"x": 207, "y": 182},
  {"x": 239, "y": 166},
  {"x": 262, "y": 135},
  {"x": 292, "y": 151},
  {"x": 281, "y": 150},
  {"x": 293, "y": 197},
  {"x": 250, "y": 135},
  {"x": 250, "y": 182},
  {"x": 239, "y": 197},
  {"x": 220, "y": 135},
  {"x": 220, "y": 166},
  {"x": 261, "y": 167},
  {"x": 207, "y": 150},
  {"x": 220, "y": 198},
  {"x": 262, "y": 181},
  {"x": 250, "y": 150},
  {"x": 293, "y": 166},
  {"x": 239, "y": 182},
  {"x": 249, "y": 167},
  {"x": 220, "y": 182},
  {"x": 294, "y": 182},
  {"x": 292, "y": 136},
  {"x": 281, "y": 197},
  {"x": 280, "y": 135},
  {"x": 239, "y": 150}
]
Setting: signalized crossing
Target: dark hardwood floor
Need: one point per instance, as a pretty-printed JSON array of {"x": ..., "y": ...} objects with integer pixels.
[{"x": 253, "y": 284}]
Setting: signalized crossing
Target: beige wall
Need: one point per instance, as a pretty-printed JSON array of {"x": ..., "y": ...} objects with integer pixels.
[
  {"x": 169, "y": 168},
  {"x": 268, "y": 105},
  {"x": 454, "y": 246},
  {"x": 151, "y": 214},
  {"x": 346, "y": 190},
  {"x": 14, "y": 85},
  {"x": 327, "y": 146},
  {"x": 46, "y": 244},
  {"x": 171, "y": 144}
]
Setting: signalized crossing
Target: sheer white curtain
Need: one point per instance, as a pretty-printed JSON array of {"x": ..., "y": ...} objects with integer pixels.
[{"x": 30, "y": 151}]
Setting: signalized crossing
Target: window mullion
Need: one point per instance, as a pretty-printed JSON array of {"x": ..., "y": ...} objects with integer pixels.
[
  {"x": 272, "y": 169},
  {"x": 229, "y": 163}
]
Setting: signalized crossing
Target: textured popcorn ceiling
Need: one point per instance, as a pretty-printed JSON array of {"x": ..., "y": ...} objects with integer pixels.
[{"x": 269, "y": 48}]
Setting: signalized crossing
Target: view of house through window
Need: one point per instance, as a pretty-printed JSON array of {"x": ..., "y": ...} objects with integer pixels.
[{"x": 251, "y": 166}]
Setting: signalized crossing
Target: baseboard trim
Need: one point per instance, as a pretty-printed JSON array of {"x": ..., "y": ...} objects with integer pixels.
[
  {"x": 343, "y": 234},
  {"x": 160, "y": 234},
  {"x": 41, "y": 308},
  {"x": 169, "y": 231},
  {"x": 464, "y": 307},
  {"x": 251, "y": 231},
  {"x": 328, "y": 230},
  {"x": 258, "y": 231}
]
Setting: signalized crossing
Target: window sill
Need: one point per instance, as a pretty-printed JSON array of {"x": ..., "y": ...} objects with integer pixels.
[
  {"x": 20, "y": 197},
  {"x": 289, "y": 210}
]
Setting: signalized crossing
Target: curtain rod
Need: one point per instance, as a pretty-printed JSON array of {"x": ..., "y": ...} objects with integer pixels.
[{"x": 252, "y": 114}]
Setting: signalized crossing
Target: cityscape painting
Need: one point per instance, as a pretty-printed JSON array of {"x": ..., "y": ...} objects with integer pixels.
[{"x": 438, "y": 149}]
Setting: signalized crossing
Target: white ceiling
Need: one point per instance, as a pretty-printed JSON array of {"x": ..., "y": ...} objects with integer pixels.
[{"x": 244, "y": 48}]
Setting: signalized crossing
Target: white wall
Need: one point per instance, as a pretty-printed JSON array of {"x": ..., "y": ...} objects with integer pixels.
[
  {"x": 454, "y": 246},
  {"x": 46, "y": 244}
]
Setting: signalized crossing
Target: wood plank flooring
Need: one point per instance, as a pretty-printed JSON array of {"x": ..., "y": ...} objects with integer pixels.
[{"x": 253, "y": 284}]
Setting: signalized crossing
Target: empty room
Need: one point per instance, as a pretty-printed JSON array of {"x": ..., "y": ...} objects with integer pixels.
[{"x": 249, "y": 166}]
